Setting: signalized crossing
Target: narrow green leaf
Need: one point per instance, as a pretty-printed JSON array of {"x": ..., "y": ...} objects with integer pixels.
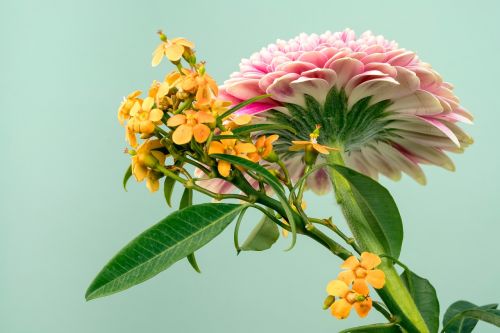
[
  {"x": 379, "y": 208},
  {"x": 247, "y": 129},
  {"x": 192, "y": 261},
  {"x": 375, "y": 328},
  {"x": 186, "y": 199},
  {"x": 260, "y": 170},
  {"x": 242, "y": 104},
  {"x": 127, "y": 176},
  {"x": 271, "y": 181},
  {"x": 173, "y": 238},
  {"x": 262, "y": 237},
  {"x": 168, "y": 189},
  {"x": 462, "y": 316},
  {"x": 425, "y": 297}
]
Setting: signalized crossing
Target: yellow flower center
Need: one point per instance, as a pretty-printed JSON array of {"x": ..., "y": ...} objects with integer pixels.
[{"x": 360, "y": 272}]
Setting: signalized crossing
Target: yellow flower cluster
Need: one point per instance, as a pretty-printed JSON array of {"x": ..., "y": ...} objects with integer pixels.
[{"x": 351, "y": 286}]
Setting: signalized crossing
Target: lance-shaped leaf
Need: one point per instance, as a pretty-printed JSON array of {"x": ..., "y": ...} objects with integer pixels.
[
  {"x": 242, "y": 104},
  {"x": 157, "y": 248},
  {"x": 379, "y": 208},
  {"x": 462, "y": 316},
  {"x": 127, "y": 176},
  {"x": 425, "y": 297},
  {"x": 262, "y": 237},
  {"x": 247, "y": 129}
]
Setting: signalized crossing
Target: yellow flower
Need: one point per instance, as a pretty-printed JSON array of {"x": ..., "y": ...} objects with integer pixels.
[
  {"x": 236, "y": 121},
  {"x": 141, "y": 168},
  {"x": 202, "y": 85},
  {"x": 312, "y": 144},
  {"x": 127, "y": 104},
  {"x": 170, "y": 48},
  {"x": 264, "y": 146},
  {"x": 216, "y": 106},
  {"x": 229, "y": 147},
  {"x": 357, "y": 297},
  {"x": 143, "y": 119},
  {"x": 189, "y": 124},
  {"x": 363, "y": 271}
]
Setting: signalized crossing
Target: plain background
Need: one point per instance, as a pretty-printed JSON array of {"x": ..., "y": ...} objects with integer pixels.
[{"x": 64, "y": 68}]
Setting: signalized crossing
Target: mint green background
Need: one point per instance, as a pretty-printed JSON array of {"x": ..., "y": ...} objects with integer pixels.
[{"x": 64, "y": 68}]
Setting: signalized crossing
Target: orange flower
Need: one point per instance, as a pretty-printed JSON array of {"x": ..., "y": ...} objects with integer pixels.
[
  {"x": 141, "y": 167},
  {"x": 361, "y": 272},
  {"x": 143, "y": 119},
  {"x": 236, "y": 121},
  {"x": 264, "y": 147},
  {"x": 127, "y": 104},
  {"x": 189, "y": 124},
  {"x": 202, "y": 85},
  {"x": 216, "y": 106},
  {"x": 170, "y": 48},
  {"x": 312, "y": 144},
  {"x": 229, "y": 147},
  {"x": 357, "y": 297}
]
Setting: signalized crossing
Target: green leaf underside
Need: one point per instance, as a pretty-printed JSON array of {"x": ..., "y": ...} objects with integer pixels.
[
  {"x": 157, "y": 248},
  {"x": 379, "y": 207},
  {"x": 375, "y": 328},
  {"x": 262, "y": 237},
  {"x": 462, "y": 316},
  {"x": 126, "y": 177},
  {"x": 425, "y": 297},
  {"x": 271, "y": 181},
  {"x": 364, "y": 122}
]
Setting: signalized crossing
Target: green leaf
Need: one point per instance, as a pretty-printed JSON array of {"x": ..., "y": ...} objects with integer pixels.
[
  {"x": 192, "y": 261},
  {"x": 242, "y": 104},
  {"x": 168, "y": 188},
  {"x": 375, "y": 328},
  {"x": 186, "y": 199},
  {"x": 247, "y": 129},
  {"x": 271, "y": 181},
  {"x": 262, "y": 237},
  {"x": 127, "y": 176},
  {"x": 173, "y": 238},
  {"x": 462, "y": 316},
  {"x": 379, "y": 207},
  {"x": 425, "y": 297}
]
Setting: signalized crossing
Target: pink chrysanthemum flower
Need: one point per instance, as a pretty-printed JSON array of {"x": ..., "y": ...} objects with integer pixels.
[{"x": 386, "y": 109}]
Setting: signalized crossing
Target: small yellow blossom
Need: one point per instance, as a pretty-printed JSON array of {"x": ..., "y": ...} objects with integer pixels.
[
  {"x": 141, "y": 168},
  {"x": 264, "y": 146},
  {"x": 216, "y": 106},
  {"x": 127, "y": 104},
  {"x": 363, "y": 271},
  {"x": 143, "y": 119},
  {"x": 170, "y": 48},
  {"x": 203, "y": 86},
  {"x": 229, "y": 147},
  {"x": 312, "y": 144},
  {"x": 356, "y": 297},
  {"x": 191, "y": 124}
]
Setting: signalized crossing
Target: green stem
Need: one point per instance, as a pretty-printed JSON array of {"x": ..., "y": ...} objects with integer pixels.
[{"x": 394, "y": 294}]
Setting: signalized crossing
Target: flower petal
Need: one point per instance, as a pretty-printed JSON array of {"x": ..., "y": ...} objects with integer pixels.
[
  {"x": 215, "y": 148},
  {"x": 350, "y": 263},
  {"x": 346, "y": 276},
  {"x": 376, "y": 278},
  {"x": 176, "y": 120},
  {"x": 341, "y": 309},
  {"x": 369, "y": 260},
  {"x": 363, "y": 307},
  {"x": 182, "y": 134},
  {"x": 337, "y": 288},
  {"x": 224, "y": 168},
  {"x": 201, "y": 132}
]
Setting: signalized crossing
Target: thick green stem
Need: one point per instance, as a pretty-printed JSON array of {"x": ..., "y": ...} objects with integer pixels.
[{"x": 394, "y": 294}]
